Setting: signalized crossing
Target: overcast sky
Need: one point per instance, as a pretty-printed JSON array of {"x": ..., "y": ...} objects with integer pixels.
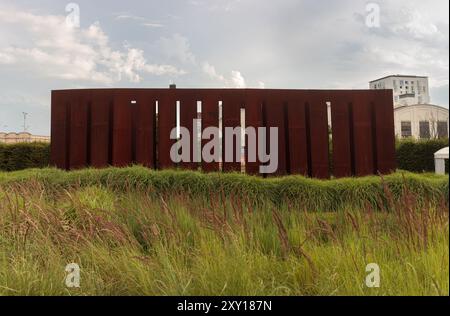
[{"x": 212, "y": 43}]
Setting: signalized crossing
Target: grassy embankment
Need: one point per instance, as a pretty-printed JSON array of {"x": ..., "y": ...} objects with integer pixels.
[{"x": 136, "y": 231}]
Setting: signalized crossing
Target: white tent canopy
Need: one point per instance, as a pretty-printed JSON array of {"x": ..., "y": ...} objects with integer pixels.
[{"x": 439, "y": 160}]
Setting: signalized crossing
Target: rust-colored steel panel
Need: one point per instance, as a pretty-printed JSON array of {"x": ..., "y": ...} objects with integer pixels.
[
  {"x": 145, "y": 128},
  {"x": 60, "y": 129},
  {"x": 274, "y": 116},
  {"x": 79, "y": 129},
  {"x": 253, "y": 118},
  {"x": 363, "y": 133},
  {"x": 167, "y": 112},
  {"x": 385, "y": 133},
  {"x": 101, "y": 127},
  {"x": 188, "y": 113},
  {"x": 297, "y": 138},
  {"x": 122, "y": 149},
  {"x": 317, "y": 122},
  {"x": 232, "y": 101},
  {"x": 210, "y": 118},
  {"x": 341, "y": 131}
]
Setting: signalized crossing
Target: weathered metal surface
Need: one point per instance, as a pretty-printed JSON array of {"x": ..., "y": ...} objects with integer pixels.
[
  {"x": 232, "y": 102},
  {"x": 210, "y": 118},
  {"x": 341, "y": 122},
  {"x": 119, "y": 127},
  {"x": 274, "y": 116},
  {"x": 363, "y": 133},
  {"x": 188, "y": 113},
  {"x": 145, "y": 128},
  {"x": 385, "y": 139},
  {"x": 122, "y": 140},
  {"x": 101, "y": 128},
  {"x": 317, "y": 128},
  {"x": 297, "y": 135},
  {"x": 60, "y": 129},
  {"x": 253, "y": 118},
  {"x": 166, "y": 122},
  {"x": 79, "y": 128}
]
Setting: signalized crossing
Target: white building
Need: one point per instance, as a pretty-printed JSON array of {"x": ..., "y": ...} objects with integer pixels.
[
  {"x": 22, "y": 137},
  {"x": 421, "y": 121},
  {"x": 407, "y": 90}
]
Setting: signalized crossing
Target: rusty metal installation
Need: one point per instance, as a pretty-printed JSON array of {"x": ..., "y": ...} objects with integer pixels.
[{"x": 120, "y": 127}]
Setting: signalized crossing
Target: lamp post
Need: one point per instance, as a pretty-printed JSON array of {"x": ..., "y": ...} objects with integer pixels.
[{"x": 24, "y": 121}]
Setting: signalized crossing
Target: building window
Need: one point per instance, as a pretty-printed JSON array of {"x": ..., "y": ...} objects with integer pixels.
[
  {"x": 406, "y": 129},
  {"x": 401, "y": 82},
  {"x": 424, "y": 129},
  {"x": 442, "y": 129}
]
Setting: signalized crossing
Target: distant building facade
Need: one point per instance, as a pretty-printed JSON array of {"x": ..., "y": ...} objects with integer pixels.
[
  {"x": 23, "y": 137},
  {"x": 421, "y": 121},
  {"x": 407, "y": 90}
]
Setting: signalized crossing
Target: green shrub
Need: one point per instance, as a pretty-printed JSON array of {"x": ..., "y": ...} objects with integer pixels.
[
  {"x": 24, "y": 155},
  {"x": 418, "y": 155}
]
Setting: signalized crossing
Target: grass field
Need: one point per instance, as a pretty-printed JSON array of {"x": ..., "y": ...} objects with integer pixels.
[{"x": 139, "y": 232}]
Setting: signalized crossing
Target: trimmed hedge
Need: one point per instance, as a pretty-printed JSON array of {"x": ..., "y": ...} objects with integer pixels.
[
  {"x": 24, "y": 156},
  {"x": 418, "y": 155}
]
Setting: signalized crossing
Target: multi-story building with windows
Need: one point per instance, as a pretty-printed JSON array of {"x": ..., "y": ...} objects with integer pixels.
[
  {"x": 414, "y": 116},
  {"x": 407, "y": 90}
]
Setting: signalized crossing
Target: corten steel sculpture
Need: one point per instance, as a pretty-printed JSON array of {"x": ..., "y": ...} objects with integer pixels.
[{"x": 119, "y": 127}]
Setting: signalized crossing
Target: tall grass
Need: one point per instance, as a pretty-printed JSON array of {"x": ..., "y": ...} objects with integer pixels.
[
  {"x": 312, "y": 194},
  {"x": 145, "y": 240}
]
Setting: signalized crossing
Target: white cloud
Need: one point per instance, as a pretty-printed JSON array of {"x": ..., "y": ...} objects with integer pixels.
[
  {"x": 178, "y": 48},
  {"x": 129, "y": 17},
  {"x": 236, "y": 79},
  {"x": 216, "y": 5},
  {"x": 6, "y": 58},
  {"x": 412, "y": 39},
  {"x": 50, "y": 48},
  {"x": 409, "y": 41},
  {"x": 144, "y": 21},
  {"x": 157, "y": 25},
  {"x": 210, "y": 70}
]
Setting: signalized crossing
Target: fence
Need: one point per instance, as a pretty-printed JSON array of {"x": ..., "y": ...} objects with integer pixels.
[{"x": 102, "y": 127}]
